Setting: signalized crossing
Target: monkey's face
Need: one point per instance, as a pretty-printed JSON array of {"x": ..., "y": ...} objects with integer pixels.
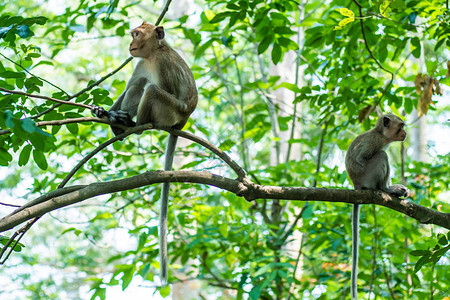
[
  {"x": 137, "y": 45},
  {"x": 395, "y": 130},
  {"x": 145, "y": 39}
]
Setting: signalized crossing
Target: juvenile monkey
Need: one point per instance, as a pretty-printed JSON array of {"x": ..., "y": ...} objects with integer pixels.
[
  {"x": 367, "y": 166},
  {"x": 162, "y": 91}
]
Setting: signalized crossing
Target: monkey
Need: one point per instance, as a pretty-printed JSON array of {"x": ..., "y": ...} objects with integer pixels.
[
  {"x": 161, "y": 91},
  {"x": 367, "y": 166}
]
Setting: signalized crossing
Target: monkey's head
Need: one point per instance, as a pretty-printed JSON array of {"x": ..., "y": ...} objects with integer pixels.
[
  {"x": 391, "y": 127},
  {"x": 146, "y": 38}
]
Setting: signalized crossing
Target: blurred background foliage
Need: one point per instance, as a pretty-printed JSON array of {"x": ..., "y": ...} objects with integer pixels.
[{"x": 284, "y": 87}]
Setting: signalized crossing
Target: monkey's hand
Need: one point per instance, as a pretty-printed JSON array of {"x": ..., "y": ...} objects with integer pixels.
[
  {"x": 99, "y": 111},
  {"x": 121, "y": 117},
  {"x": 399, "y": 190}
]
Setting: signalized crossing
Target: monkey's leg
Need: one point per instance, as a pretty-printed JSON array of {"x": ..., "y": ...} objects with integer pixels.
[{"x": 160, "y": 107}]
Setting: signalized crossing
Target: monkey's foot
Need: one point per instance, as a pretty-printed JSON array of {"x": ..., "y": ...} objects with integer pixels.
[
  {"x": 99, "y": 111},
  {"x": 399, "y": 190},
  {"x": 121, "y": 117}
]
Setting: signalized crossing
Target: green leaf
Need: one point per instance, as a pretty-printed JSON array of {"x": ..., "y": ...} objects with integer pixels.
[
  {"x": 346, "y": 12},
  {"x": 423, "y": 260},
  {"x": 23, "y": 31},
  {"x": 265, "y": 43},
  {"x": 420, "y": 252},
  {"x": 28, "y": 125},
  {"x": 220, "y": 17},
  {"x": 255, "y": 292},
  {"x": 12, "y": 74},
  {"x": 127, "y": 277},
  {"x": 223, "y": 228},
  {"x": 227, "y": 145},
  {"x": 276, "y": 53},
  {"x": 165, "y": 291},
  {"x": 76, "y": 231},
  {"x": 99, "y": 292},
  {"x": 415, "y": 47},
  {"x": 263, "y": 270},
  {"x": 25, "y": 155},
  {"x": 5, "y": 157},
  {"x": 73, "y": 128},
  {"x": 40, "y": 160},
  {"x": 442, "y": 239},
  {"x": 344, "y": 23},
  {"x": 290, "y": 86}
]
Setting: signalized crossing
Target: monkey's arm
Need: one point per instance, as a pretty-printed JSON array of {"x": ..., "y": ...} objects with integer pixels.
[
  {"x": 364, "y": 154},
  {"x": 118, "y": 114}
]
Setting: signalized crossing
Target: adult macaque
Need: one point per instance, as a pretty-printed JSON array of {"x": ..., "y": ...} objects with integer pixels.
[
  {"x": 367, "y": 166},
  {"x": 161, "y": 91}
]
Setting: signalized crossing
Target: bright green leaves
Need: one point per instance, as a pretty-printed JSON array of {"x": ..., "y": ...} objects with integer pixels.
[
  {"x": 10, "y": 27},
  {"x": 350, "y": 18},
  {"x": 271, "y": 27},
  {"x": 433, "y": 255},
  {"x": 4, "y": 240},
  {"x": 5, "y": 157},
  {"x": 165, "y": 291},
  {"x": 23, "y": 130}
]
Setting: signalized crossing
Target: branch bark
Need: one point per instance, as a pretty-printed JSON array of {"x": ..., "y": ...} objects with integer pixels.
[{"x": 245, "y": 188}]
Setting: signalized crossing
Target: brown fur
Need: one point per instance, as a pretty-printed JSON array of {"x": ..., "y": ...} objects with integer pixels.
[{"x": 162, "y": 89}]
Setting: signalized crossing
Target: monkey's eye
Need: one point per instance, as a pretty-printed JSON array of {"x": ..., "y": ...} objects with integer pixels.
[{"x": 135, "y": 34}]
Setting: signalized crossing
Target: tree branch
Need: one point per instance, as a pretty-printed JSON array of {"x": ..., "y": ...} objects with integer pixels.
[
  {"x": 247, "y": 189},
  {"x": 163, "y": 12}
]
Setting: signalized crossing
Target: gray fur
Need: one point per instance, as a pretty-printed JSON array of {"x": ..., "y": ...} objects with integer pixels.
[{"x": 367, "y": 165}]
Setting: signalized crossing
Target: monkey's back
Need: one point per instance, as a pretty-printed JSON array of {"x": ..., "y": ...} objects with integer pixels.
[
  {"x": 177, "y": 78},
  {"x": 362, "y": 160}
]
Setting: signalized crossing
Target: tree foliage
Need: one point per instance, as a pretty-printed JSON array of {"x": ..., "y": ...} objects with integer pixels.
[{"x": 352, "y": 59}]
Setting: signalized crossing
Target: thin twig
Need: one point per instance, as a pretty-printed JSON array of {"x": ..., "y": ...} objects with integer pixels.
[
  {"x": 63, "y": 122},
  {"x": 101, "y": 147},
  {"x": 40, "y": 78},
  {"x": 165, "y": 9},
  {"x": 292, "y": 227},
  {"x": 86, "y": 89},
  {"x": 370, "y": 51},
  {"x": 7, "y": 248},
  {"x": 45, "y": 98},
  {"x": 7, "y": 204}
]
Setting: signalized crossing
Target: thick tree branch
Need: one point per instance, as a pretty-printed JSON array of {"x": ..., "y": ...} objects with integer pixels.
[{"x": 247, "y": 189}]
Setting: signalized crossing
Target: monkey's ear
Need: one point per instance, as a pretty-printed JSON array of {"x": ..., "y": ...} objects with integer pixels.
[
  {"x": 386, "y": 122},
  {"x": 159, "y": 32}
]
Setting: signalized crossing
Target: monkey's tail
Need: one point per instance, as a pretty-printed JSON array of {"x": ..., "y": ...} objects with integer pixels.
[
  {"x": 170, "y": 151},
  {"x": 355, "y": 254}
]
